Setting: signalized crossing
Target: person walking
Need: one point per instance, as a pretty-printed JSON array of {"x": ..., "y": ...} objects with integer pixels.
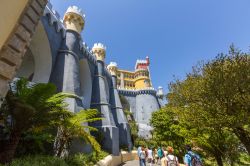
[
  {"x": 160, "y": 154},
  {"x": 142, "y": 157},
  {"x": 138, "y": 154},
  {"x": 171, "y": 160},
  {"x": 150, "y": 156},
  {"x": 191, "y": 158},
  {"x": 156, "y": 158}
]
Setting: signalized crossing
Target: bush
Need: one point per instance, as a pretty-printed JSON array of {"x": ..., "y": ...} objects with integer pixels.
[
  {"x": 38, "y": 161},
  {"x": 75, "y": 160},
  {"x": 85, "y": 159}
]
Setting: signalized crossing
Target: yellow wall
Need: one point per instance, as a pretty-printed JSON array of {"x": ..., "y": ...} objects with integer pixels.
[
  {"x": 139, "y": 83},
  {"x": 10, "y": 11}
]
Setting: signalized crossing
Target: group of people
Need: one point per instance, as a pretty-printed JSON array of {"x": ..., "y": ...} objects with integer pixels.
[{"x": 166, "y": 158}]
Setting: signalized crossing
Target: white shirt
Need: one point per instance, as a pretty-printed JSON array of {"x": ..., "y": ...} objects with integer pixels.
[
  {"x": 171, "y": 157},
  {"x": 150, "y": 153}
]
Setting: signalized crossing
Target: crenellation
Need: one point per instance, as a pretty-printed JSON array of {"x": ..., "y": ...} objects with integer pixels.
[
  {"x": 82, "y": 71},
  {"x": 54, "y": 19}
]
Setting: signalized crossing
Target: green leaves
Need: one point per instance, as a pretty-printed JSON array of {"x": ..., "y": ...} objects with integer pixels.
[
  {"x": 38, "y": 110},
  {"x": 76, "y": 127},
  {"x": 211, "y": 107}
]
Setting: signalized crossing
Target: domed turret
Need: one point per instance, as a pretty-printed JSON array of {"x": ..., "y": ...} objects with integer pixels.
[
  {"x": 160, "y": 92},
  {"x": 112, "y": 68},
  {"x": 100, "y": 51},
  {"x": 74, "y": 19}
]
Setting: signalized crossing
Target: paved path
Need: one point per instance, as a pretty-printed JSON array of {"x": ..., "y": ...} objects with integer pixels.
[{"x": 135, "y": 163}]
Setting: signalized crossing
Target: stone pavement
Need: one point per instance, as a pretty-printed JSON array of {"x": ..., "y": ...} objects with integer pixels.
[{"x": 135, "y": 163}]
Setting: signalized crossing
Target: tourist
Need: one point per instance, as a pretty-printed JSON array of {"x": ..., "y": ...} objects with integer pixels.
[
  {"x": 160, "y": 154},
  {"x": 156, "y": 158},
  {"x": 142, "y": 157},
  {"x": 150, "y": 156},
  {"x": 138, "y": 153},
  {"x": 171, "y": 160},
  {"x": 191, "y": 158},
  {"x": 163, "y": 160}
]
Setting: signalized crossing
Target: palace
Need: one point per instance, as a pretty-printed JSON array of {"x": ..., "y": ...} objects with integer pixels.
[
  {"x": 135, "y": 80},
  {"x": 43, "y": 48}
]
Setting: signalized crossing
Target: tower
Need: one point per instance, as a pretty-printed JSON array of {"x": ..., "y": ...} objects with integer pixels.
[
  {"x": 160, "y": 93},
  {"x": 117, "y": 110},
  {"x": 142, "y": 75},
  {"x": 74, "y": 19},
  {"x": 100, "y": 101},
  {"x": 66, "y": 72}
]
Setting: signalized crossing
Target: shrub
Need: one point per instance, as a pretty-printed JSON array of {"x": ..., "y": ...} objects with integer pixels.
[
  {"x": 89, "y": 159},
  {"x": 85, "y": 159},
  {"x": 38, "y": 161}
]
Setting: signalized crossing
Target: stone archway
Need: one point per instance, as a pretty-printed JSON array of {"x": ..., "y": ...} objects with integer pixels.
[
  {"x": 18, "y": 35},
  {"x": 37, "y": 61}
]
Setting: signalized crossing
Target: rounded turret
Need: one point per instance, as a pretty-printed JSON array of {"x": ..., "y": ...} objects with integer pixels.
[
  {"x": 142, "y": 79},
  {"x": 112, "y": 68},
  {"x": 74, "y": 19},
  {"x": 100, "y": 51},
  {"x": 160, "y": 92}
]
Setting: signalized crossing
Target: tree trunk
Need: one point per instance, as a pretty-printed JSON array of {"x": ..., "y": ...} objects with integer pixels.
[
  {"x": 9, "y": 149},
  {"x": 219, "y": 160},
  {"x": 244, "y": 137},
  {"x": 61, "y": 142}
]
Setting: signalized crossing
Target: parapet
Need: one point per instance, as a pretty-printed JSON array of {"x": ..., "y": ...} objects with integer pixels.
[{"x": 54, "y": 19}]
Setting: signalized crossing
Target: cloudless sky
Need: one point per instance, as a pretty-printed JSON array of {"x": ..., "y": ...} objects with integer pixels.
[{"x": 175, "y": 34}]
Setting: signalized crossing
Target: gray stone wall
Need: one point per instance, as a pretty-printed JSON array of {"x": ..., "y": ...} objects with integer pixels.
[{"x": 142, "y": 104}]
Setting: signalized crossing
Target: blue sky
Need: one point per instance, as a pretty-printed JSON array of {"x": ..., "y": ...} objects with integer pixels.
[{"x": 175, "y": 34}]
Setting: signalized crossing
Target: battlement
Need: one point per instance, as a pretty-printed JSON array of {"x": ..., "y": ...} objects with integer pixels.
[
  {"x": 112, "y": 64},
  {"x": 99, "y": 46},
  {"x": 134, "y": 92},
  {"x": 100, "y": 51},
  {"x": 54, "y": 19},
  {"x": 76, "y": 10},
  {"x": 74, "y": 19}
]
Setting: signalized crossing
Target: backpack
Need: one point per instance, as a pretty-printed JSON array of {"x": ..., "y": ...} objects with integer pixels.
[
  {"x": 160, "y": 153},
  {"x": 171, "y": 162},
  {"x": 195, "y": 160}
]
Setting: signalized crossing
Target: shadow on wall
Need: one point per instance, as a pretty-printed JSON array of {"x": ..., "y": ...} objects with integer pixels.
[{"x": 37, "y": 61}]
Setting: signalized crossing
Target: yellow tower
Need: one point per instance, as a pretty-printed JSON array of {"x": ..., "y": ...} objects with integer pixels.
[
  {"x": 142, "y": 75},
  {"x": 142, "y": 80},
  {"x": 74, "y": 19},
  {"x": 135, "y": 80},
  {"x": 100, "y": 51}
]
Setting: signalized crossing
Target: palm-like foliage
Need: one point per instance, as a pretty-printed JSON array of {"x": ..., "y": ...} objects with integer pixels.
[
  {"x": 29, "y": 107},
  {"x": 75, "y": 127}
]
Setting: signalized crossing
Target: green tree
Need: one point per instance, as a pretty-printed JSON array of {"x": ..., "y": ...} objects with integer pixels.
[
  {"x": 167, "y": 129},
  {"x": 217, "y": 94},
  {"x": 76, "y": 127}
]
